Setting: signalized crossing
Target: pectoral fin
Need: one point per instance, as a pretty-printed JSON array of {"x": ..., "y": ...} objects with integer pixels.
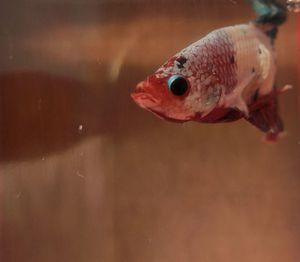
[
  {"x": 235, "y": 100},
  {"x": 266, "y": 119}
]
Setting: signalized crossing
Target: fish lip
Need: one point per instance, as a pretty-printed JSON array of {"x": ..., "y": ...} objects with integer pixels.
[
  {"x": 143, "y": 99},
  {"x": 142, "y": 95}
]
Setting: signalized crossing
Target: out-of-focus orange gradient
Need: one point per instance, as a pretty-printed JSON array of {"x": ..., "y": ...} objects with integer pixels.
[{"x": 86, "y": 175}]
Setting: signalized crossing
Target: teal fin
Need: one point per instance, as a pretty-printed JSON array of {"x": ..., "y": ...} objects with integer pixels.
[{"x": 269, "y": 11}]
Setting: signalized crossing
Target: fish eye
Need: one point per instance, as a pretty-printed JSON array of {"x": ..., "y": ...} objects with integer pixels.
[{"x": 178, "y": 85}]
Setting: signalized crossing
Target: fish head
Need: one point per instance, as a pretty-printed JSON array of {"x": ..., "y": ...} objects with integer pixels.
[
  {"x": 155, "y": 95},
  {"x": 175, "y": 93}
]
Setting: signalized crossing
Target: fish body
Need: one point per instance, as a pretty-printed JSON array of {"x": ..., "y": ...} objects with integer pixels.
[{"x": 226, "y": 75}]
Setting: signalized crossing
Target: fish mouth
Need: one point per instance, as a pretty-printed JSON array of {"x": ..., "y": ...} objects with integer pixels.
[
  {"x": 144, "y": 100},
  {"x": 143, "y": 97},
  {"x": 148, "y": 102}
]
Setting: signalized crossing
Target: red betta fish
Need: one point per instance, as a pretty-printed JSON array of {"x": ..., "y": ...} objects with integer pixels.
[{"x": 223, "y": 77}]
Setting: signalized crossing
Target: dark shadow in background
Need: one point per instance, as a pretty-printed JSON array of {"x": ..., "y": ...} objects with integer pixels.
[{"x": 41, "y": 114}]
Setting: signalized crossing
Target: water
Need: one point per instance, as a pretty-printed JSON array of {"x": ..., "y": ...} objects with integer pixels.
[{"x": 86, "y": 175}]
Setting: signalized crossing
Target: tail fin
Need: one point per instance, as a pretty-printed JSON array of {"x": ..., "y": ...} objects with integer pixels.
[{"x": 269, "y": 15}]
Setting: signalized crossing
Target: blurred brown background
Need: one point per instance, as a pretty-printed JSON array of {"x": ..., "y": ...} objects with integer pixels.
[{"x": 86, "y": 175}]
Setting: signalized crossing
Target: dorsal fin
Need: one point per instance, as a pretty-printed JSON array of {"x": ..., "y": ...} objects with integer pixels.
[
  {"x": 269, "y": 12},
  {"x": 269, "y": 15}
]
